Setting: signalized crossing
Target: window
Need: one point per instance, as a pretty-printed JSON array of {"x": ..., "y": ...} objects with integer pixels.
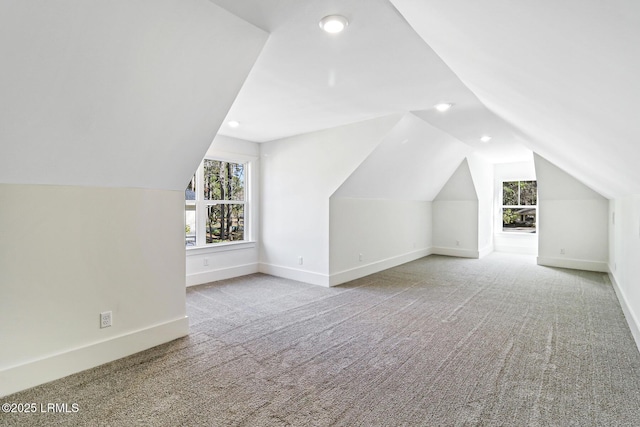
[
  {"x": 216, "y": 203},
  {"x": 519, "y": 206}
]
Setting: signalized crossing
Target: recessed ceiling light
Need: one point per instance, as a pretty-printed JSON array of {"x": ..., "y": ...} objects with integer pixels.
[
  {"x": 333, "y": 23},
  {"x": 485, "y": 138},
  {"x": 233, "y": 123},
  {"x": 443, "y": 107}
]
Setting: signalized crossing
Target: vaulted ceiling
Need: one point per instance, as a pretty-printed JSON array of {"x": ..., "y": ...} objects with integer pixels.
[
  {"x": 148, "y": 83},
  {"x": 116, "y": 93},
  {"x": 557, "y": 78}
]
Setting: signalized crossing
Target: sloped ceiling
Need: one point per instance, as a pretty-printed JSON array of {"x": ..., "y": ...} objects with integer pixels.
[
  {"x": 412, "y": 162},
  {"x": 564, "y": 73},
  {"x": 556, "y": 184},
  {"x": 307, "y": 80},
  {"x": 555, "y": 77},
  {"x": 470, "y": 119},
  {"x": 116, "y": 93},
  {"x": 460, "y": 186},
  {"x": 108, "y": 93}
]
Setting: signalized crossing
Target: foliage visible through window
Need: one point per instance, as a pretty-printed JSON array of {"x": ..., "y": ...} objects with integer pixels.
[
  {"x": 215, "y": 203},
  {"x": 519, "y": 206}
]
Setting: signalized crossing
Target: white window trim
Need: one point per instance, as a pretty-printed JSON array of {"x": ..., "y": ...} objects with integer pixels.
[
  {"x": 221, "y": 247},
  {"x": 201, "y": 204},
  {"x": 502, "y": 206}
]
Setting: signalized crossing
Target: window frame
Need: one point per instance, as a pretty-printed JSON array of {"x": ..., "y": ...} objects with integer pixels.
[
  {"x": 201, "y": 204},
  {"x": 519, "y": 206}
]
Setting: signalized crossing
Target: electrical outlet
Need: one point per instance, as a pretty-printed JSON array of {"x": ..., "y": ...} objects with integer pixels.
[
  {"x": 105, "y": 319},
  {"x": 359, "y": 257},
  {"x": 457, "y": 242},
  {"x": 205, "y": 262},
  {"x": 562, "y": 251},
  {"x": 300, "y": 260}
]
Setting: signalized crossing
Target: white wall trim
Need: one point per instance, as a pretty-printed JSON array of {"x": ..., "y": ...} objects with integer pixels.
[
  {"x": 485, "y": 251},
  {"x": 55, "y": 366},
  {"x": 457, "y": 252},
  {"x": 521, "y": 250},
  {"x": 576, "y": 264},
  {"x": 305, "y": 276},
  {"x": 632, "y": 320},
  {"x": 219, "y": 247},
  {"x": 374, "y": 267},
  {"x": 221, "y": 274}
]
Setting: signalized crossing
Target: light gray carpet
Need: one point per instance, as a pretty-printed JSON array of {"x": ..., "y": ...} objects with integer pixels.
[{"x": 435, "y": 342}]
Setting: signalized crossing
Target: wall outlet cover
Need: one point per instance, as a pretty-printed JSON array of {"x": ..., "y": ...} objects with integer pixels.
[{"x": 105, "y": 319}]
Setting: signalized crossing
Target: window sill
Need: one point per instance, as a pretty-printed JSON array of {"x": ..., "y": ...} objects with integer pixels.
[{"x": 220, "y": 247}]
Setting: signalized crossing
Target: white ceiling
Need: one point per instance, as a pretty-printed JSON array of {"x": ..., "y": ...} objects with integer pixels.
[
  {"x": 116, "y": 94},
  {"x": 413, "y": 161},
  {"x": 307, "y": 80},
  {"x": 560, "y": 78},
  {"x": 565, "y": 73}
]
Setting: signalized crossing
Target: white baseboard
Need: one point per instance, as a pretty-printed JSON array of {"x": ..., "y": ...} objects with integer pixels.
[
  {"x": 55, "y": 366},
  {"x": 521, "y": 250},
  {"x": 631, "y": 318},
  {"x": 305, "y": 276},
  {"x": 575, "y": 264},
  {"x": 457, "y": 252},
  {"x": 374, "y": 267},
  {"x": 485, "y": 251},
  {"x": 221, "y": 274}
]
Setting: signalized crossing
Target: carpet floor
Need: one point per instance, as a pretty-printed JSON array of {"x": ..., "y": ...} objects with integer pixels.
[{"x": 439, "y": 341}]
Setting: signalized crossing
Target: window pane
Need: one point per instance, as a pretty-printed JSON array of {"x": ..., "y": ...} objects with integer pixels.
[
  {"x": 190, "y": 225},
  {"x": 225, "y": 223},
  {"x": 190, "y": 192},
  {"x": 521, "y": 220},
  {"x": 528, "y": 193},
  {"x": 223, "y": 180},
  {"x": 510, "y": 193}
]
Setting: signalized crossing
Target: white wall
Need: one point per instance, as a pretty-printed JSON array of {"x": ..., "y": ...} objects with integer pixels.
[
  {"x": 107, "y": 108},
  {"x": 483, "y": 180},
  {"x": 455, "y": 228},
  {"x": 208, "y": 264},
  {"x": 455, "y": 216},
  {"x": 370, "y": 235},
  {"x": 624, "y": 253},
  {"x": 393, "y": 159},
  {"x": 381, "y": 216},
  {"x": 298, "y": 176},
  {"x": 572, "y": 221},
  {"x": 69, "y": 253},
  {"x": 520, "y": 243},
  {"x": 382, "y": 211}
]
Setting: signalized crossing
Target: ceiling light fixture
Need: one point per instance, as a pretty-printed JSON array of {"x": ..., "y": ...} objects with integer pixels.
[
  {"x": 233, "y": 123},
  {"x": 333, "y": 23},
  {"x": 443, "y": 107},
  {"x": 485, "y": 138}
]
